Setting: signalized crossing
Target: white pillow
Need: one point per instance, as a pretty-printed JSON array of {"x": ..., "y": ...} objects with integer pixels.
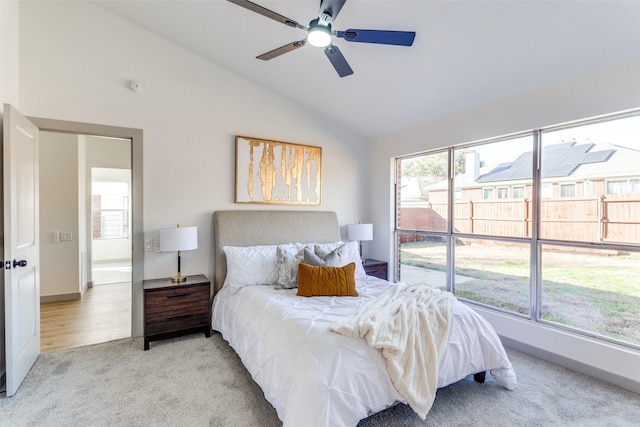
[
  {"x": 288, "y": 258},
  {"x": 251, "y": 265},
  {"x": 352, "y": 255}
]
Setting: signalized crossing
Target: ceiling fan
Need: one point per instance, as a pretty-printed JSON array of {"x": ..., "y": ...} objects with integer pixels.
[{"x": 320, "y": 32}]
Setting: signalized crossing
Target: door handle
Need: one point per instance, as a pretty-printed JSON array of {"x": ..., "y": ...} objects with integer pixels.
[{"x": 21, "y": 263}]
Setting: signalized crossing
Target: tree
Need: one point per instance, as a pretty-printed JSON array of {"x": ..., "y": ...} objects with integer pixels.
[
  {"x": 431, "y": 165},
  {"x": 434, "y": 165}
]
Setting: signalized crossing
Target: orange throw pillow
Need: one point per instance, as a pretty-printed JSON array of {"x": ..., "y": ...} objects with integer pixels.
[{"x": 322, "y": 281}]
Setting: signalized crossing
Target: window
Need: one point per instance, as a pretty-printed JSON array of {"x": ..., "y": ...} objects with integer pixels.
[
  {"x": 588, "y": 193},
  {"x": 493, "y": 273},
  {"x": 517, "y": 192},
  {"x": 110, "y": 210},
  {"x": 423, "y": 192},
  {"x": 623, "y": 186},
  {"x": 422, "y": 206},
  {"x": 592, "y": 292},
  {"x": 570, "y": 151},
  {"x": 581, "y": 288},
  {"x": 423, "y": 258},
  {"x": 489, "y": 169},
  {"x": 567, "y": 190}
]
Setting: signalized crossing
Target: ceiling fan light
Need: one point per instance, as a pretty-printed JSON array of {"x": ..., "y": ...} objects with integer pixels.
[{"x": 319, "y": 35}]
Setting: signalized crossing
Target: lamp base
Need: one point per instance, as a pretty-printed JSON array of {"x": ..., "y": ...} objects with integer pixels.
[{"x": 178, "y": 279}]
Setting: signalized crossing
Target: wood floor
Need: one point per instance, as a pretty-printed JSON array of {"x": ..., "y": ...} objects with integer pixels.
[{"x": 102, "y": 314}]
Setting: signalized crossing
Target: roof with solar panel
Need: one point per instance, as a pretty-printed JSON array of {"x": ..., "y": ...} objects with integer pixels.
[{"x": 558, "y": 161}]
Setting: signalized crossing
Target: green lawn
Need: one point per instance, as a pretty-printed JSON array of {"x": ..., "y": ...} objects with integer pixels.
[{"x": 594, "y": 292}]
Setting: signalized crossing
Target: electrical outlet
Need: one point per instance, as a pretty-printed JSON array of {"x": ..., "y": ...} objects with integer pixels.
[{"x": 66, "y": 236}]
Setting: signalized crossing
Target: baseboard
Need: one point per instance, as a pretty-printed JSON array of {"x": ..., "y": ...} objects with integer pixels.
[
  {"x": 61, "y": 297},
  {"x": 112, "y": 261},
  {"x": 86, "y": 286}
]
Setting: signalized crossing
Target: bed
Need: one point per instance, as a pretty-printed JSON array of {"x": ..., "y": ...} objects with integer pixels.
[{"x": 312, "y": 375}]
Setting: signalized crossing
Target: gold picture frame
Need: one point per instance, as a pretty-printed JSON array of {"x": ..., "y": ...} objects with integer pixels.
[{"x": 274, "y": 172}]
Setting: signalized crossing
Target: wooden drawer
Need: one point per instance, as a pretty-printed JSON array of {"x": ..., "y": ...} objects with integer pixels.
[
  {"x": 180, "y": 299},
  {"x": 376, "y": 268},
  {"x": 175, "y": 320}
]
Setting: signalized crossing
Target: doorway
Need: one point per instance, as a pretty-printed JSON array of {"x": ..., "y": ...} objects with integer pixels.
[
  {"x": 85, "y": 235},
  {"x": 134, "y": 137}
]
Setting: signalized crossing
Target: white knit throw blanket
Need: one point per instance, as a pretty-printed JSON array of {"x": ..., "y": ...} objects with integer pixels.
[{"x": 410, "y": 323}]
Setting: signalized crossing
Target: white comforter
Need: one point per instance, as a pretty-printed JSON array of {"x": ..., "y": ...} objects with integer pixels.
[
  {"x": 410, "y": 324},
  {"x": 315, "y": 377}
]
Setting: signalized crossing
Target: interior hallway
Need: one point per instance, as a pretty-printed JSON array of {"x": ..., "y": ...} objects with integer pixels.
[{"x": 102, "y": 314}]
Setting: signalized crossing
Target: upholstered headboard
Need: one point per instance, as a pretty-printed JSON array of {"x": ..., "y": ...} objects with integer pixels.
[{"x": 260, "y": 227}]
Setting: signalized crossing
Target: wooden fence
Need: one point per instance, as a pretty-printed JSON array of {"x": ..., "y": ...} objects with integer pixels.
[{"x": 612, "y": 218}]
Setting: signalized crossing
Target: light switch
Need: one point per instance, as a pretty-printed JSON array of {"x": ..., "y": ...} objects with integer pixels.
[
  {"x": 66, "y": 236},
  {"x": 148, "y": 245}
]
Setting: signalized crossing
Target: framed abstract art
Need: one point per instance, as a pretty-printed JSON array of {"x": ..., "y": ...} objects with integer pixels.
[{"x": 276, "y": 172}]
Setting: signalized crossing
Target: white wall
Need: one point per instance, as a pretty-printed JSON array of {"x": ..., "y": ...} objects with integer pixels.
[
  {"x": 76, "y": 61},
  {"x": 9, "y": 74},
  {"x": 59, "y": 262},
  {"x": 605, "y": 91}
]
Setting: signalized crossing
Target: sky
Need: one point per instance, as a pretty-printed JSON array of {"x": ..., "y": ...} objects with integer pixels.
[{"x": 621, "y": 132}]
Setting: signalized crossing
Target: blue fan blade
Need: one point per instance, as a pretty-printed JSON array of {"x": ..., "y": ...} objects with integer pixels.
[
  {"x": 398, "y": 38},
  {"x": 338, "y": 61}
]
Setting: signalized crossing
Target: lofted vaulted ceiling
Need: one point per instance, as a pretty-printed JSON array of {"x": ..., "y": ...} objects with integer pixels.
[{"x": 465, "y": 53}]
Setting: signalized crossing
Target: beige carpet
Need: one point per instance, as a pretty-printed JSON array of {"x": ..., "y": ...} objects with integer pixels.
[{"x": 195, "y": 381}]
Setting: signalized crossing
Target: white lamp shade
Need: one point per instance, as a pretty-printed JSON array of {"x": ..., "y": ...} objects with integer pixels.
[
  {"x": 178, "y": 239},
  {"x": 360, "y": 232}
]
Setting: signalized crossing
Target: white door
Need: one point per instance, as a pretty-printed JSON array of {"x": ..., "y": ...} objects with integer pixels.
[{"x": 21, "y": 246}]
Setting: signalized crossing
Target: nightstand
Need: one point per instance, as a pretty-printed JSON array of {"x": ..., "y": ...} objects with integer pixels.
[
  {"x": 173, "y": 309},
  {"x": 374, "y": 267}
]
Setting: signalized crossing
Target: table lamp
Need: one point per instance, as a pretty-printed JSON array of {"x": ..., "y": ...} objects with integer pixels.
[
  {"x": 178, "y": 239},
  {"x": 360, "y": 232}
]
